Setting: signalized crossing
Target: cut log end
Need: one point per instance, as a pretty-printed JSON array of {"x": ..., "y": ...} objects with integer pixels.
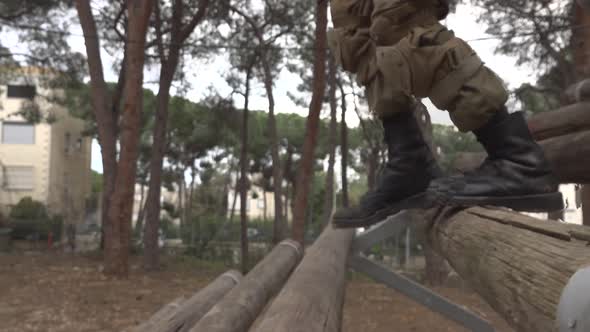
[{"x": 518, "y": 264}]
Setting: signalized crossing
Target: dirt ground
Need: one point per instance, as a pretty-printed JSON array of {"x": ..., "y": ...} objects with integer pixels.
[{"x": 61, "y": 293}]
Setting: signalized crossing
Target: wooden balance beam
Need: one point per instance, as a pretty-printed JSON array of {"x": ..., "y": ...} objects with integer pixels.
[
  {"x": 312, "y": 299},
  {"x": 241, "y": 306},
  {"x": 520, "y": 265},
  {"x": 182, "y": 313}
]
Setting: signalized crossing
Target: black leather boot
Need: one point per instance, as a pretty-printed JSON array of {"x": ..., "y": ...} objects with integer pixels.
[
  {"x": 402, "y": 182},
  {"x": 515, "y": 174}
]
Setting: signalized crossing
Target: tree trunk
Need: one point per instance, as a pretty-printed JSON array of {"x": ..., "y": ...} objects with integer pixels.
[
  {"x": 580, "y": 42},
  {"x": 437, "y": 269},
  {"x": 305, "y": 173},
  {"x": 244, "y": 176},
  {"x": 518, "y": 264},
  {"x": 169, "y": 63},
  {"x": 332, "y": 141},
  {"x": 106, "y": 123},
  {"x": 121, "y": 205},
  {"x": 280, "y": 225},
  {"x": 119, "y": 178},
  {"x": 344, "y": 150},
  {"x": 151, "y": 257},
  {"x": 581, "y": 45}
]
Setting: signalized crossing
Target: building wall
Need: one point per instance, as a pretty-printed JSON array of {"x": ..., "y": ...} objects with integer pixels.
[
  {"x": 255, "y": 206},
  {"x": 69, "y": 168},
  {"x": 23, "y": 155},
  {"x": 61, "y": 166}
]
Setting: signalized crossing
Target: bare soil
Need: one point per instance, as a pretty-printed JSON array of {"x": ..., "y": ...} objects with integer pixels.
[{"x": 55, "y": 292}]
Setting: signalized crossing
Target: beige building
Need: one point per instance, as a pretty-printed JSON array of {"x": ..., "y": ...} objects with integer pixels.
[
  {"x": 260, "y": 204},
  {"x": 48, "y": 162}
]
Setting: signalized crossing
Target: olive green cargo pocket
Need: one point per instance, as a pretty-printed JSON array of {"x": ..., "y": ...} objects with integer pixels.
[
  {"x": 350, "y": 47},
  {"x": 390, "y": 90}
]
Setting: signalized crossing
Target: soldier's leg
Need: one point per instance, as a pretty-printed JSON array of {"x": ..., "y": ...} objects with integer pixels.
[
  {"x": 411, "y": 165},
  {"x": 438, "y": 65}
]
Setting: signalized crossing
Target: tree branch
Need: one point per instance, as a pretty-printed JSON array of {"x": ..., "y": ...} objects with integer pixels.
[
  {"x": 197, "y": 18},
  {"x": 158, "y": 26}
]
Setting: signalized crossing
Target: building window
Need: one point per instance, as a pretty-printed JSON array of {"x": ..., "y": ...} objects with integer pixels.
[
  {"x": 18, "y": 133},
  {"x": 19, "y": 177},
  {"x": 21, "y": 91}
]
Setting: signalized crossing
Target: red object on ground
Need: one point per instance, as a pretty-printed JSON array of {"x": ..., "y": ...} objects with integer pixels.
[{"x": 50, "y": 240}]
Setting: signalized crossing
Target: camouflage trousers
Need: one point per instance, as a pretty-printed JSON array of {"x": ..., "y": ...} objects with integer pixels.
[{"x": 402, "y": 52}]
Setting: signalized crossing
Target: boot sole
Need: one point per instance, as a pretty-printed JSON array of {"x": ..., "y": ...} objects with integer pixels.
[
  {"x": 412, "y": 202},
  {"x": 528, "y": 203}
]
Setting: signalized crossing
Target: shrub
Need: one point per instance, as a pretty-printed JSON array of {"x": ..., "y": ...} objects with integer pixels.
[
  {"x": 27, "y": 208},
  {"x": 29, "y": 218}
]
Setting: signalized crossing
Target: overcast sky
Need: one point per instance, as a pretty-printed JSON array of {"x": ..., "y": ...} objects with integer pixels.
[{"x": 463, "y": 23}]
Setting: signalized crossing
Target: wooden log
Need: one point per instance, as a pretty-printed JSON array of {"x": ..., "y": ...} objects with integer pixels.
[
  {"x": 518, "y": 264},
  {"x": 242, "y": 305},
  {"x": 312, "y": 299},
  {"x": 165, "y": 313},
  {"x": 566, "y": 120},
  {"x": 181, "y": 316},
  {"x": 578, "y": 92},
  {"x": 569, "y": 156}
]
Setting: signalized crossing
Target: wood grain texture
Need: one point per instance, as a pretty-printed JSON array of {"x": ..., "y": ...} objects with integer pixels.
[
  {"x": 312, "y": 299},
  {"x": 518, "y": 264},
  {"x": 566, "y": 120},
  {"x": 578, "y": 92},
  {"x": 182, "y": 315},
  {"x": 241, "y": 306}
]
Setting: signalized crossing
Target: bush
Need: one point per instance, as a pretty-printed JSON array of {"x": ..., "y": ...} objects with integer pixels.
[
  {"x": 27, "y": 208},
  {"x": 29, "y": 219}
]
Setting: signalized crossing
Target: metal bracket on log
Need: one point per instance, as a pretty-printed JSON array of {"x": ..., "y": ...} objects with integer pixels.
[
  {"x": 573, "y": 312},
  {"x": 393, "y": 226}
]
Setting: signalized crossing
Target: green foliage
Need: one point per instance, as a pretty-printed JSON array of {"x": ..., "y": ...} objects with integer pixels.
[
  {"x": 538, "y": 34},
  {"x": 545, "y": 95},
  {"x": 27, "y": 208},
  {"x": 451, "y": 142},
  {"x": 170, "y": 230},
  {"x": 30, "y": 218}
]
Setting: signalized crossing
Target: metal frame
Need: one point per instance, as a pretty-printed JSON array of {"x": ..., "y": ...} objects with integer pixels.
[{"x": 393, "y": 226}]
